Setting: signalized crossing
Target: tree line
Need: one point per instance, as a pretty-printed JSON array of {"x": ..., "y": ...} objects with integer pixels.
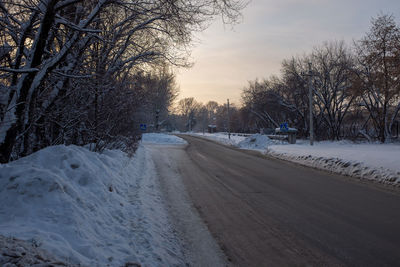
[
  {"x": 88, "y": 72},
  {"x": 355, "y": 90}
]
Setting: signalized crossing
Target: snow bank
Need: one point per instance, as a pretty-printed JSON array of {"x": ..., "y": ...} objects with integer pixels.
[
  {"x": 378, "y": 162},
  {"x": 244, "y": 141},
  {"x": 159, "y": 138},
  {"x": 88, "y": 208},
  {"x": 372, "y": 161},
  {"x": 257, "y": 142},
  {"x": 15, "y": 252},
  {"x": 222, "y": 138}
]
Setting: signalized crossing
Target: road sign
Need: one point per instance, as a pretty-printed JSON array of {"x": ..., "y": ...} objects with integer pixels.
[
  {"x": 143, "y": 126},
  {"x": 284, "y": 127}
]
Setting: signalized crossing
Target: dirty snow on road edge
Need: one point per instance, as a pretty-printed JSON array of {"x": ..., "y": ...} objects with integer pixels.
[
  {"x": 201, "y": 249},
  {"x": 88, "y": 208}
]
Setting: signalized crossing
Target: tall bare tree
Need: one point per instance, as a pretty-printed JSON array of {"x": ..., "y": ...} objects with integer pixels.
[
  {"x": 332, "y": 65},
  {"x": 188, "y": 108},
  {"x": 378, "y": 74}
]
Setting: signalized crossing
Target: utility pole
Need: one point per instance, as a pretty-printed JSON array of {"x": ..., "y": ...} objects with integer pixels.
[
  {"x": 204, "y": 120},
  {"x": 229, "y": 124},
  {"x": 310, "y": 100}
]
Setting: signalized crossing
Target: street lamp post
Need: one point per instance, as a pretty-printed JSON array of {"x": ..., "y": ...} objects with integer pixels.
[{"x": 229, "y": 125}]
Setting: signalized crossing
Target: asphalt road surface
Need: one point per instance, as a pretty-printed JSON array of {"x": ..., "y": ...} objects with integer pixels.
[{"x": 267, "y": 212}]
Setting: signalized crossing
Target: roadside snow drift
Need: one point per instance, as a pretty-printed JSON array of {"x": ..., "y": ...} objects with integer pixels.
[
  {"x": 164, "y": 139},
  {"x": 377, "y": 162},
  {"x": 15, "y": 252},
  {"x": 88, "y": 208},
  {"x": 222, "y": 138},
  {"x": 257, "y": 142},
  {"x": 371, "y": 161}
]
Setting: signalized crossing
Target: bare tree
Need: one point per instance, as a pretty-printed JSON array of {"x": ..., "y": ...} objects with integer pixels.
[
  {"x": 188, "y": 108},
  {"x": 261, "y": 100},
  {"x": 211, "y": 108},
  {"x": 378, "y": 75},
  {"x": 49, "y": 47},
  {"x": 332, "y": 64},
  {"x": 276, "y": 100}
]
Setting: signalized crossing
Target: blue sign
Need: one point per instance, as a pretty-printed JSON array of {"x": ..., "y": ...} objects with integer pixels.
[
  {"x": 143, "y": 126},
  {"x": 284, "y": 127}
]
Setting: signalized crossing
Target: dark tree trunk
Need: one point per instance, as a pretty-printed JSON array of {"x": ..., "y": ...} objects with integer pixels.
[{"x": 17, "y": 127}]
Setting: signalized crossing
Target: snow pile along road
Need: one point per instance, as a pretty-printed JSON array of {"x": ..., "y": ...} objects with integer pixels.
[
  {"x": 159, "y": 138},
  {"x": 257, "y": 142},
  {"x": 377, "y": 162},
  {"x": 372, "y": 161},
  {"x": 88, "y": 208},
  {"x": 15, "y": 252},
  {"x": 222, "y": 138}
]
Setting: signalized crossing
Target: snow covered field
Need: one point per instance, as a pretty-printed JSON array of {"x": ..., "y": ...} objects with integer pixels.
[
  {"x": 372, "y": 161},
  {"x": 89, "y": 208}
]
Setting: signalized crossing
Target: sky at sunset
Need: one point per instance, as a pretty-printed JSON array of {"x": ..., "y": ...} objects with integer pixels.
[{"x": 225, "y": 59}]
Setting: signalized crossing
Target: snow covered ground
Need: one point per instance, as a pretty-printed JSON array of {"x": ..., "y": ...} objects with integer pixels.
[
  {"x": 222, "y": 138},
  {"x": 157, "y": 138},
  {"x": 88, "y": 208},
  {"x": 15, "y": 252},
  {"x": 107, "y": 209},
  {"x": 372, "y": 161}
]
